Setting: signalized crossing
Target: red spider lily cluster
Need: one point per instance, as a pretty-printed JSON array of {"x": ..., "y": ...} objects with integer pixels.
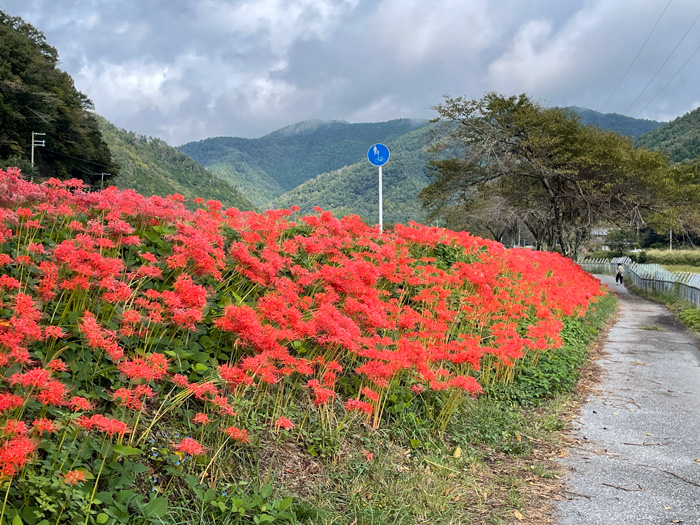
[{"x": 93, "y": 284}]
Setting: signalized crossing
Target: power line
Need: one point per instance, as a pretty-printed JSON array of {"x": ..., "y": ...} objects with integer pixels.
[
  {"x": 636, "y": 57},
  {"x": 101, "y": 164},
  {"x": 662, "y": 65},
  {"x": 669, "y": 80}
]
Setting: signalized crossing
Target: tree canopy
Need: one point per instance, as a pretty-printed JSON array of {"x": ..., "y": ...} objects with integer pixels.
[
  {"x": 563, "y": 176},
  {"x": 36, "y": 96},
  {"x": 680, "y": 138}
]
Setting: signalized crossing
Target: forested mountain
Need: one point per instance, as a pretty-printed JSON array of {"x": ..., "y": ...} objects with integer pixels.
[
  {"x": 354, "y": 189},
  {"x": 152, "y": 167},
  {"x": 266, "y": 167},
  {"x": 36, "y": 96},
  {"x": 626, "y": 126},
  {"x": 680, "y": 138}
]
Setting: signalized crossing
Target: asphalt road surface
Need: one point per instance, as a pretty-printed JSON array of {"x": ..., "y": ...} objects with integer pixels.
[{"x": 637, "y": 458}]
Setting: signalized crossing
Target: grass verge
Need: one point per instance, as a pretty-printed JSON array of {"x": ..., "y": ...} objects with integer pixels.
[{"x": 685, "y": 310}]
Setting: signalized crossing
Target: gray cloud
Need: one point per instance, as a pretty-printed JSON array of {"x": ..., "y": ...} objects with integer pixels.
[{"x": 189, "y": 69}]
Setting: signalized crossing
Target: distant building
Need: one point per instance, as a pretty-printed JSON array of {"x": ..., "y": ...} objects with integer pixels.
[{"x": 599, "y": 239}]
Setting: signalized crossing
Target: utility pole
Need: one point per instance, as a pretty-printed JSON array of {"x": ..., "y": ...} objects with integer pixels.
[
  {"x": 670, "y": 240},
  {"x": 102, "y": 180},
  {"x": 36, "y": 143}
]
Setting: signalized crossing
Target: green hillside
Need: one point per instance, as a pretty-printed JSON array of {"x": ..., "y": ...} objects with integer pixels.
[
  {"x": 353, "y": 189},
  {"x": 626, "y": 126},
  {"x": 266, "y": 167},
  {"x": 680, "y": 138},
  {"x": 152, "y": 167},
  {"x": 36, "y": 96}
]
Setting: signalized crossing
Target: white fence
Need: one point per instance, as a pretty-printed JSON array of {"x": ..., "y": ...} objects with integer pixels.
[{"x": 650, "y": 277}]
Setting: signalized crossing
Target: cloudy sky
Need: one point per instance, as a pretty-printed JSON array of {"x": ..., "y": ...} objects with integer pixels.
[{"x": 185, "y": 70}]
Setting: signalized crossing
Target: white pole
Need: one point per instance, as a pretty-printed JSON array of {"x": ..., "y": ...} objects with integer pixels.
[
  {"x": 381, "y": 222},
  {"x": 36, "y": 143}
]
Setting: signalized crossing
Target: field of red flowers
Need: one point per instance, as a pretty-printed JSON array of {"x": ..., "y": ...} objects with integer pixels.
[{"x": 143, "y": 338}]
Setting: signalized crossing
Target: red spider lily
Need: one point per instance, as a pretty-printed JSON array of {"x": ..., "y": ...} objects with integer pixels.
[
  {"x": 151, "y": 367},
  {"x": 73, "y": 477},
  {"x": 56, "y": 365},
  {"x": 190, "y": 446},
  {"x": 10, "y": 401},
  {"x": 15, "y": 452},
  {"x": 284, "y": 423},
  {"x": 370, "y": 394},
  {"x": 105, "y": 424},
  {"x": 286, "y": 300},
  {"x": 80, "y": 403},
  {"x": 133, "y": 398},
  {"x": 240, "y": 435},
  {"x": 361, "y": 406},
  {"x": 201, "y": 418},
  {"x": 44, "y": 425},
  {"x": 15, "y": 427},
  {"x": 100, "y": 338}
]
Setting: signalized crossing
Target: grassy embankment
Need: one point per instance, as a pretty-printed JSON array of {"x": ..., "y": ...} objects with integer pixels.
[{"x": 496, "y": 463}]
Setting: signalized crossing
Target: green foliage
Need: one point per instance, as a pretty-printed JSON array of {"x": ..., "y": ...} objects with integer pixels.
[
  {"x": 564, "y": 176},
  {"x": 36, "y": 96},
  {"x": 679, "y": 139},
  {"x": 674, "y": 257},
  {"x": 152, "y": 167},
  {"x": 691, "y": 318},
  {"x": 620, "y": 240},
  {"x": 231, "y": 504}
]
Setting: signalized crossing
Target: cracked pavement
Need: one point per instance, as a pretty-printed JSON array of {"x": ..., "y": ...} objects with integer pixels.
[{"x": 637, "y": 458}]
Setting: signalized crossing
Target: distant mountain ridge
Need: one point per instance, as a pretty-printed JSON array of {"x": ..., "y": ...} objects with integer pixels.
[
  {"x": 679, "y": 139},
  {"x": 265, "y": 168},
  {"x": 622, "y": 124}
]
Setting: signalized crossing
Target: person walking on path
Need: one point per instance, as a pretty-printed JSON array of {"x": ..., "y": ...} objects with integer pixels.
[
  {"x": 620, "y": 273},
  {"x": 636, "y": 454}
]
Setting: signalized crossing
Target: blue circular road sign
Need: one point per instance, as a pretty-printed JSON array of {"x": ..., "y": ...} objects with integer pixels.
[{"x": 378, "y": 155}]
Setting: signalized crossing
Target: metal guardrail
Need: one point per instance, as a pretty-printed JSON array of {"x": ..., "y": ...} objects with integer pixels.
[{"x": 652, "y": 277}]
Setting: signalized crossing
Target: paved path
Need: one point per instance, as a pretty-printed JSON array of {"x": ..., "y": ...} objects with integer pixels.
[{"x": 638, "y": 455}]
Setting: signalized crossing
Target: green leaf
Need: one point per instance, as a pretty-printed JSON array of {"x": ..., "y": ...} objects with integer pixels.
[
  {"x": 17, "y": 521},
  {"x": 102, "y": 518},
  {"x": 266, "y": 490},
  {"x": 208, "y": 496},
  {"x": 156, "y": 508},
  {"x": 283, "y": 504},
  {"x": 201, "y": 367},
  {"x": 126, "y": 450}
]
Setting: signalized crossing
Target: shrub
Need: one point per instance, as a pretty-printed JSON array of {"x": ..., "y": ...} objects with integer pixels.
[{"x": 674, "y": 257}]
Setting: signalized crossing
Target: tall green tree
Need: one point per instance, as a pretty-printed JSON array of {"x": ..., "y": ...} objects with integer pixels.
[
  {"x": 36, "y": 96},
  {"x": 565, "y": 177}
]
